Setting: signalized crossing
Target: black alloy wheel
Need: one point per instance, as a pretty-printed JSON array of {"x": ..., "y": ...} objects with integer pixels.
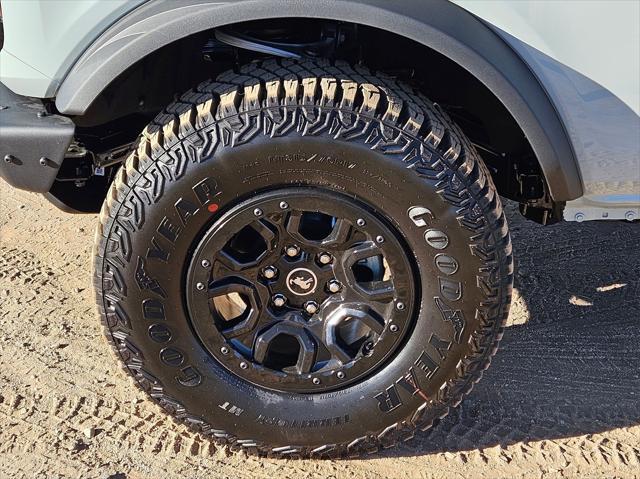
[{"x": 301, "y": 290}]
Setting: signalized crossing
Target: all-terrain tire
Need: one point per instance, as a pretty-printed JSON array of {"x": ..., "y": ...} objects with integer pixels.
[{"x": 306, "y": 124}]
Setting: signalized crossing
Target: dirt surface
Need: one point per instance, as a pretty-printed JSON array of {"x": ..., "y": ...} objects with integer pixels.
[{"x": 560, "y": 400}]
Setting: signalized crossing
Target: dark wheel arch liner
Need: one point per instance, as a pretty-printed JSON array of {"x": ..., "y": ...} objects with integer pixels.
[{"x": 437, "y": 24}]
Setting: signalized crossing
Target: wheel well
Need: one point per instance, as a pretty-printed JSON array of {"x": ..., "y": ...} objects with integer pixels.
[{"x": 129, "y": 102}]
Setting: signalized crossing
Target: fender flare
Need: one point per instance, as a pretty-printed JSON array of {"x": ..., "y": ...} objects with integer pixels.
[{"x": 437, "y": 24}]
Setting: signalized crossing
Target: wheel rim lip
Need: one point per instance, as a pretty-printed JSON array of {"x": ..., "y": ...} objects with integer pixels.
[{"x": 213, "y": 341}]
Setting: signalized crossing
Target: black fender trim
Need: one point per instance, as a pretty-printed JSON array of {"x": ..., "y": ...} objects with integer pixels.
[
  {"x": 33, "y": 142},
  {"x": 437, "y": 24}
]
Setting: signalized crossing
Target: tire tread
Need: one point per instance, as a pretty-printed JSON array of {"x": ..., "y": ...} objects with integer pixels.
[{"x": 295, "y": 95}]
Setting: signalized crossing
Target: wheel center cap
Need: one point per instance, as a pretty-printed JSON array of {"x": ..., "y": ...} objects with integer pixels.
[{"x": 302, "y": 281}]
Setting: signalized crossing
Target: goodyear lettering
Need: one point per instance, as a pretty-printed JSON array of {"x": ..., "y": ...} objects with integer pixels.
[
  {"x": 185, "y": 209},
  {"x": 389, "y": 399},
  {"x": 426, "y": 366},
  {"x": 145, "y": 281},
  {"x": 206, "y": 191},
  {"x": 168, "y": 230},
  {"x": 450, "y": 289},
  {"x": 420, "y": 216},
  {"x": 153, "y": 309},
  {"x": 453, "y": 316},
  {"x": 156, "y": 251}
]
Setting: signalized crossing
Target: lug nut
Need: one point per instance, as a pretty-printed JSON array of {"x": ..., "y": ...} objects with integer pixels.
[
  {"x": 311, "y": 307},
  {"x": 200, "y": 286},
  {"x": 243, "y": 365},
  {"x": 380, "y": 239},
  {"x": 284, "y": 205},
  {"x": 400, "y": 306},
  {"x": 224, "y": 350},
  {"x": 279, "y": 300},
  {"x": 325, "y": 258},
  {"x": 257, "y": 212},
  {"x": 334, "y": 286},
  {"x": 361, "y": 222},
  {"x": 270, "y": 272},
  {"x": 292, "y": 251},
  {"x": 205, "y": 263},
  {"x": 393, "y": 328},
  {"x": 315, "y": 381},
  {"x": 340, "y": 375}
]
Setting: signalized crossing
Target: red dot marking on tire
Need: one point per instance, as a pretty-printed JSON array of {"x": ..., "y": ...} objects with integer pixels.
[{"x": 213, "y": 207}]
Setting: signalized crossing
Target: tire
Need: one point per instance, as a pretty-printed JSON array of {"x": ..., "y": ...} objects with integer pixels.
[{"x": 330, "y": 135}]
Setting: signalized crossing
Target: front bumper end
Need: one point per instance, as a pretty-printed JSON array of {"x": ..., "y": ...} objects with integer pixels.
[{"x": 33, "y": 142}]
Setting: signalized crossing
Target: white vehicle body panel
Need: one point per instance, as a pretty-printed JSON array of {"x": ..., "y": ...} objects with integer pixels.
[
  {"x": 599, "y": 39},
  {"x": 585, "y": 54},
  {"x": 48, "y": 36}
]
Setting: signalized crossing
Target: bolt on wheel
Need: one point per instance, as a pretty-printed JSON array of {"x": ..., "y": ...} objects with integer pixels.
[{"x": 306, "y": 296}]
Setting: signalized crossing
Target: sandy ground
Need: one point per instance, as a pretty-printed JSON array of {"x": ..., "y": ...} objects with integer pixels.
[{"x": 560, "y": 400}]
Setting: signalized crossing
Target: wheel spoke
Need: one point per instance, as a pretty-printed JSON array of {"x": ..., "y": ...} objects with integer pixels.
[
  {"x": 248, "y": 247},
  {"x": 246, "y": 340},
  {"x": 382, "y": 291},
  {"x": 343, "y": 326},
  {"x": 359, "y": 252},
  {"x": 292, "y": 224},
  {"x": 227, "y": 285},
  {"x": 340, "y": 233},
  {"x": 336, "y": 351},
  {"x": 265, "y": 230},
  {"x": 301, "y": 360},
  {"x": 371, "y": 289},
  {"x": 318, "y": 228}
]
